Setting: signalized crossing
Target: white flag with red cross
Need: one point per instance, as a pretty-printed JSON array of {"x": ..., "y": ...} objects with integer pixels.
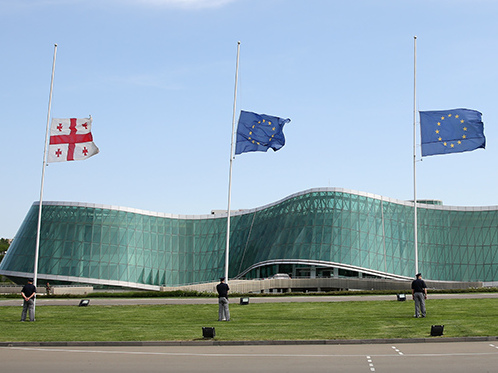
[{"x": 71, "y": 140}]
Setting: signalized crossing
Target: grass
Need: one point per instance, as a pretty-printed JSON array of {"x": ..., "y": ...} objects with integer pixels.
[{"x": 263, "y": 321}]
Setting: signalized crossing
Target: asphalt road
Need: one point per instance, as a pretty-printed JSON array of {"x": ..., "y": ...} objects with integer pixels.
[{"x": 383, "y": 358}]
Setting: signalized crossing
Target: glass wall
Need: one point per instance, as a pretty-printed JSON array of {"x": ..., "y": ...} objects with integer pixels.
[{"x": 360, "y": 231}]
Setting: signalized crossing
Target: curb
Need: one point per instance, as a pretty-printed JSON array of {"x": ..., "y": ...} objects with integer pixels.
[{"x": 213, "y": 342}]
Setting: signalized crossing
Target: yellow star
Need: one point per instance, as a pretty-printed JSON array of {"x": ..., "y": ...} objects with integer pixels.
[
  {"x": 269, "y": 123},
  {"x": 263, "y": 120},
  {"x": 442, "y": 118},
  {"x": 250, "y": 132},
  {"x": 249, "y": 138},
  {"x": 465, "y": 128},
  {"x": 438, "y": 123},
  {"x": 452, "y": 145},
  {"x": 464, "y": 136},
  {"x": 273, "y": 129},
  {"x": 461, "y": 121},
  {"x": 457, "y": 116},
  {"x": 439, "y": 138},
  {"x": 459, "y": 142},
  {"x": 437, "y": 131},
  {"x": 449, "y": 115},
  {"x": 253, "y": 126},
  {"x": 444, "y": 143}
]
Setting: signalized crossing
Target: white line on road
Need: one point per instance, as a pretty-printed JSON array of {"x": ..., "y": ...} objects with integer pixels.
[
  {"x": 242, "y": 355},
  {"x": 370, "y": 364}
]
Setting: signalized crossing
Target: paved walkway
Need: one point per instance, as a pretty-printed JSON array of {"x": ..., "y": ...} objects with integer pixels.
[{"x": 42, "y": 301}]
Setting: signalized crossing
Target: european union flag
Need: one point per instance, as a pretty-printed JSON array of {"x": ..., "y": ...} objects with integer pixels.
[
  {"x": 451, "y": 131},
  {"x": 258, "y": 132}
]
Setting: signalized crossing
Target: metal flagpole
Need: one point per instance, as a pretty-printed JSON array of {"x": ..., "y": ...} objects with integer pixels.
[
  {"x": 227, "y": 247},
  {"x": 415, "y": 220},
  {"x": 37, "y": 249}
]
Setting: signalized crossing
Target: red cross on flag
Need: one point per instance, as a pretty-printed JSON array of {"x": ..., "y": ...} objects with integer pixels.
[{"x": 71, "y": 140}]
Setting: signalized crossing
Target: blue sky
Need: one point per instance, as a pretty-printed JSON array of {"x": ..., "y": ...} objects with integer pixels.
[{"x": 157, "y": 76}]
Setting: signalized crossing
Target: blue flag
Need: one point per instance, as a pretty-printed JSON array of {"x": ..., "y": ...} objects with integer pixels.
[
  {"x": 259, "y": 132},
  {"x": 451, "y": 131}
]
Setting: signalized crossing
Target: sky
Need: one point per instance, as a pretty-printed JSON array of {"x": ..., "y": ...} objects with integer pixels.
[{"x": 158, "y": 78}]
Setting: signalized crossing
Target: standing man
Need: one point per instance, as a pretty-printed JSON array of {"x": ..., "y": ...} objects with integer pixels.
[
  {"x": 222, "y": 289},
  {"x": 28, "y": 293},
  {"x": 419, "y": 295}
]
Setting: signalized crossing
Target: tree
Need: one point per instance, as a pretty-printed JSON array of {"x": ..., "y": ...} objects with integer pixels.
[{"x": 4, "y": 245}]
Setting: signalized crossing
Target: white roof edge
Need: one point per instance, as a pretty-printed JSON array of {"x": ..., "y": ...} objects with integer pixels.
[
  {"x": 84, "y": 280},
  {"x": 251, "y": 210}
]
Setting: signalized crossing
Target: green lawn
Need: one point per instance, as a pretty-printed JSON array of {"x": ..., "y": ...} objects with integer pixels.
[{"x": 265, "y": 321}]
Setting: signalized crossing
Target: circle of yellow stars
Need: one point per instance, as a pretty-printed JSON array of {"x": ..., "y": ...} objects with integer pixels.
[
  {"x": 451, "y": 144},
  {"x": 254, "y": 126}
]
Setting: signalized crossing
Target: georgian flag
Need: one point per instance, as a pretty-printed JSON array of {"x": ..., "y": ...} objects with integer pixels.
[{"x": 71, "y": 140}]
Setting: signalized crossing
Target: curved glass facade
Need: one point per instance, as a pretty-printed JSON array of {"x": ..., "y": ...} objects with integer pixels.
[{"x": 326, "y": 228}]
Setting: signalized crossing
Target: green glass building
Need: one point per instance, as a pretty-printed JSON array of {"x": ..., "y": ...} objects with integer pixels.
[{"x": 325, "y": 232}]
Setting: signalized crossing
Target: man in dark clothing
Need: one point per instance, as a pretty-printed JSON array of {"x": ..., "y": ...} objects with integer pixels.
[
  {"x": 222, "y": 289},
  {"x": 28, "y": 293},
  {"x": 419, "y": 295}
]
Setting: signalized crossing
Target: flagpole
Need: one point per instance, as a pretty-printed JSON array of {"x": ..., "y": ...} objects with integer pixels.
[
  {"x": 227, "y": 248},
  {"x": 37, "y": 249},
  {"x": 415, "y": 219}
]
